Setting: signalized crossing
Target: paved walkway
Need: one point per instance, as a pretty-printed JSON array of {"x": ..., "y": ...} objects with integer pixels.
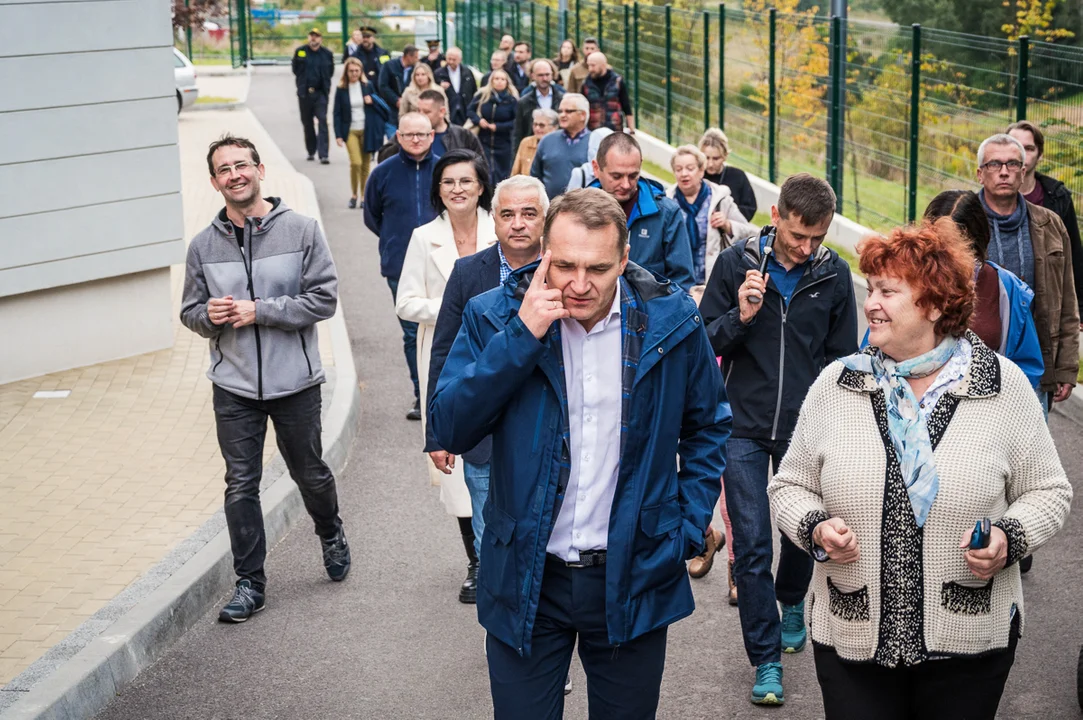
[{"x": 99, "y": 486}]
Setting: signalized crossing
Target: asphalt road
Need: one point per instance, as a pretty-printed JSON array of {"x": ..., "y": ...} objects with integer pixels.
[{"x": 394, "y": 642}]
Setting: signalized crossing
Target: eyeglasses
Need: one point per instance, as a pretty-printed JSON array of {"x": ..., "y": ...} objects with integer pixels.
[
  {"x": 450, "y": 183},
  {"x": 416, "y": 137},
  {"x": 226, "y": 170},
  {"x": 562, "y": 111},
  {"x": 996, "y": 165}
]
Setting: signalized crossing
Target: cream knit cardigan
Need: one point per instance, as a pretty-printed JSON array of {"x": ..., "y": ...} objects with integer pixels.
[{"x": 910, "y": 596}]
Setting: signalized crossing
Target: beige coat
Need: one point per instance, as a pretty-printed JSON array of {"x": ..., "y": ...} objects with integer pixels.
[
  {"x": 429, "y": 259},
  {"x": 721, "y": 201}
]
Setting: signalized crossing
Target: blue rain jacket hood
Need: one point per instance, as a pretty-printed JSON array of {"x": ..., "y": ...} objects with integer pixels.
[
  {"x": 500, "y": 380},
  {"x": 657, "y": 235}
]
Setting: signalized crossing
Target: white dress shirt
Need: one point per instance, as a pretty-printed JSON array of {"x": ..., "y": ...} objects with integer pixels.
[
  {"x": 545, "y": 102},
  {"x": 592, "y": 372},
  {"x": 456, "y": 77}
]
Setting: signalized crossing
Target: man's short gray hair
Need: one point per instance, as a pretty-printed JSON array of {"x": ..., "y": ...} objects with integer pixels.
[
  {"x": 579, "y": 101},
  {"x": 550, "y": 116},
  {"x": 1001, "y": 139},
  {"x": 522, "y": 182}
]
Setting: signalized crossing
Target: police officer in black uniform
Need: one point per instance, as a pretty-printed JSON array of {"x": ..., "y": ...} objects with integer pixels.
[
  {"x": 371, "y": 55},
  {"x": 313, "y": 66},
  {"x": 435, "y": 59}
]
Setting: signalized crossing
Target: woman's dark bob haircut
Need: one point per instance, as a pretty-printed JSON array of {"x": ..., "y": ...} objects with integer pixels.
[
  {"x": 456, "y": 157},
  {"x": 965, "y": 210}
]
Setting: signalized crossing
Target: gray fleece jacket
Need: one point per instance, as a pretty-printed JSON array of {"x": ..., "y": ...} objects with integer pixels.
[{"x": 286, "y": 267}]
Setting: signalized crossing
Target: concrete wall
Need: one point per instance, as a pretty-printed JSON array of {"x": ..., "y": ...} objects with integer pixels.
[{"x": 90, "y": 209}]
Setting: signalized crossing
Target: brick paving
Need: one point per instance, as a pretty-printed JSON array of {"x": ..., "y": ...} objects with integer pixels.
[{"x": 101, "y": 485}]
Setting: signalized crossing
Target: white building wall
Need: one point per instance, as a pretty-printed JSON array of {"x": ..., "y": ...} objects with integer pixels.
[{"x": 90, "y": 207}]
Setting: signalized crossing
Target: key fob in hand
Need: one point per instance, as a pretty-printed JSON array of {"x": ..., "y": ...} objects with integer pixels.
[{"x": 979, "y": 539}]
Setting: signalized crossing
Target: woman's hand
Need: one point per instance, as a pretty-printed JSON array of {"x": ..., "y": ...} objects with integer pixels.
[
  {"x": 986, "y": 562},
  {"x": 486, "y": 125},
  {"x": 837, "y": 540},
  {"x": 368, "y": 99},
  {"x": 340, "y": 142},
  {"x": 720, "y": 221}
]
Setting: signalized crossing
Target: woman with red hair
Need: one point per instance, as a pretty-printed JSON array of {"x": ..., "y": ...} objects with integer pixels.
[{"x": 898, "y": 452}]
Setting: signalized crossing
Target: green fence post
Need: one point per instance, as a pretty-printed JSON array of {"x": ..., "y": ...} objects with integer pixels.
[
  {"x": 834, "y": 173},
  {"x": 344, "y": 13},
  {"x": 443, "y": 26},
  {"x": 627, "y": 43},
  {"x": 600, "y": 33},
  {"x": 772, "y": 98},
  {"x": 706, "y": 69},
  {"x": 578, "y": 37},
  {"x": 232, "y": 54},
  {"x": 635, "y": 57},
  {"x": 188, "y": 31},
  {"x": 669, "y": 74},
  {"x": 548, "y": 32},
  {"x": 565, "y": 27},
  {"x": 722, "y": 65},
  {"x": 1023, "y": 76},
  {"x": 492, "y": 40},
  {"x": 242, "y": 32},
  {"x": 915, "y": 121},
  {"x": 533, "y": 32}
]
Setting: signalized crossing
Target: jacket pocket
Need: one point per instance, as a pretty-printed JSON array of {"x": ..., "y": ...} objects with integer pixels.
[
  {"x": 657, "y": 553},
  {"x": 965, "y": 618},
  {"x": 967, "y": 599},
  {"x": 849, "y": 622},
  {"x": 852, "y": 606},
  {"x": 498, "y": 572}
]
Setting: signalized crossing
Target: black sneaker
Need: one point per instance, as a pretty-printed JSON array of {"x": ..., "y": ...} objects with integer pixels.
[
  {"x": 468, "y": 592},
  {"x": 415, "y": 413},
  {"x": 353, "y": 203},
  {"x": 246, "y": 602},
  {"x": 311, "y": 158},
  {"x": 336, "y": 557},
  {"x": 324, "y": 161}
]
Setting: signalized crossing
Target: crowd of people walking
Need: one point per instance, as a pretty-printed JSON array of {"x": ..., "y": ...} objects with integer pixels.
[{"x": 600, "y": 363}]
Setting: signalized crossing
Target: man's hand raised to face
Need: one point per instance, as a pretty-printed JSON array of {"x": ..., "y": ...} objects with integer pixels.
[{"x": 541, "y": 306}]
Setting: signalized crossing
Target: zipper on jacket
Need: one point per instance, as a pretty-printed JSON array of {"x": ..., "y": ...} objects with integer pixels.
[
  {"x": 218, "y": 349},
  {"x": 304, "y": 349},
  {"x": 246, "y": 257}
]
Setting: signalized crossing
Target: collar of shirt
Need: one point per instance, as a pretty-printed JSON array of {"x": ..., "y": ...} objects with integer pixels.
[
  {"x": 505, "y": 268},
  {"x": 574, "y": 140}
]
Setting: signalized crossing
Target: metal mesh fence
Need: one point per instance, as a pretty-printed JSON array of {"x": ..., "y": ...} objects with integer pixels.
[{"x": 1055, "y": 104}]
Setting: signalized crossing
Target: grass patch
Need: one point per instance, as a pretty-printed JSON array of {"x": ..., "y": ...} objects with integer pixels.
[
  {"x": 1079, "y": 375},
  {"x": 224, "y": 61},
  {"x": 208, "y": 99},
  {"x": 659, "y": 172}
]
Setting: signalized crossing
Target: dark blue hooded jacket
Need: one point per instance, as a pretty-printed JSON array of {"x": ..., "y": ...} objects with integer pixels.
[
  {"x": 657, "y": 236},
  {"x": 500, "y": 379},
  {"x": 396, "y": 203}
]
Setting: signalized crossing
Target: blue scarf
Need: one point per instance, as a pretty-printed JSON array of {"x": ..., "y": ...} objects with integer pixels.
[
  {"x": 905, "y": 423},
  {"x": 1010, "y": 246},
  {"x": 691, "y": 211}
]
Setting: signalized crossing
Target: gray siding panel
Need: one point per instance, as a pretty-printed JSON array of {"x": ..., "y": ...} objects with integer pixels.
[
  {"x": 70, "y": 271},
  {"x": 123, "y": 23},
  {"x": 87, "y": 129},
  {"x": 80, "y": 232},
  {"x": 87, "y": 180},
  {"x": 110, "y": 76}
]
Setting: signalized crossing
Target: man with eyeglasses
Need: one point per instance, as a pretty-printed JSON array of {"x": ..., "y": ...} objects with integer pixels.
[
  {"x": 446, "y": 137},
  {"x": 561, "y": 152},
  {"x": 396, "y": 204},
  {"x": 1032, "y": 242},
  {"x": 257, "y": 281}
]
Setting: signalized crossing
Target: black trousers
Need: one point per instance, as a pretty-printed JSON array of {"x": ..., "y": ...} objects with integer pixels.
[
  {"x": 314, "y": 108},
  {"x": 623, "y": 682},
  {"x": 242, "y": 429},
  {"x": 948, "y": 689}
]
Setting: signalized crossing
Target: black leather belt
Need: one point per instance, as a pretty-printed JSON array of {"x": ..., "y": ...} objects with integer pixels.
[{"x": 587, "y": 558}]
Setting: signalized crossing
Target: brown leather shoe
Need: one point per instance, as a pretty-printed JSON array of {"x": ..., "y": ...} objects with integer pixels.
[
  {"x": 733, "y": 586},
  {"x": 701, "y": 564}
]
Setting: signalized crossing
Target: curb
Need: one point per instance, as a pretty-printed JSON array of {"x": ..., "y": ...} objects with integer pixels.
[
  {"x": 127, "y": 636},
  {"x": 1072, "y": 408}
]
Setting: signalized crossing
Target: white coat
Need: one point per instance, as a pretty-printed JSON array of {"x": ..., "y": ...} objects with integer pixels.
[
  {"x": 429, "y": 259},
  {"x": 722, "y": 201}
]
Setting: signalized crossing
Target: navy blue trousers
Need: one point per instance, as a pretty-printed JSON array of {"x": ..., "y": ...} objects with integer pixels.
[{"x": 622, "y": 681}]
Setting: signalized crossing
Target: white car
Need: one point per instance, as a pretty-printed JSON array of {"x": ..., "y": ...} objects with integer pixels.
[{"x": 185, "y": 74}]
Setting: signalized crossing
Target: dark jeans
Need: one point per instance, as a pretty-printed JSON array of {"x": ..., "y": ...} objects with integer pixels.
[
  {"x": 623, "y": 682},
  {"x": 747, "y": 474},
  {"x": 314, "y": 108},
  {"x": 950, "y": 689},
  {"x": 242, "y": 428},
  {"x": 409, "y": 338}
]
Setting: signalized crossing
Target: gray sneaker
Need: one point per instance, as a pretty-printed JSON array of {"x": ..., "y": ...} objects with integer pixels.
[
  {"x": 246, "y": 602},
  {"x": 336, "y": 557}
]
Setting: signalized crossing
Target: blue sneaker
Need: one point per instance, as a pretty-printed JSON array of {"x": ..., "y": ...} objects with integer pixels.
[
  {"x": 767, "y": 689},
  {"x": 794, "y": 635}
]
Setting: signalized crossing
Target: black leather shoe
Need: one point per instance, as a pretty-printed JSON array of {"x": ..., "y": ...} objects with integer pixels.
[
  {"x": 353, "y": 203},
  {"x": 336, "y": 557},
  {"x": 311, "y": 158},
  {"x": 324, "y": 161},
  {"x": 415, "y": 413},
  {"x": 246, "y": 602},
  {"x": 468, "y": 593}
]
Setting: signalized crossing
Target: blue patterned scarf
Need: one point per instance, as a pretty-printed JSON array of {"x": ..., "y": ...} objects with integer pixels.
[{"x": 905, "y": 423}]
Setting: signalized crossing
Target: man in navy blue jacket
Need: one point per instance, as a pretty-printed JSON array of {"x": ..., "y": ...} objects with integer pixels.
[
  {"x": 397, "y": 203},
  {"x": 775, "y": 333},
  {"x": 656, "y": 230},
  {"x": 591, "y": 375}
]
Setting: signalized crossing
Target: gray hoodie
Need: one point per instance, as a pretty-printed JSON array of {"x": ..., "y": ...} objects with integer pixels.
[{"x": 286, "y": 267}]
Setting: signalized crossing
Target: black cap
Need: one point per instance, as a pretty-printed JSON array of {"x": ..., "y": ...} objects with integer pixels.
[
  {"x": 315, "y": 31},
  {"x": 433, "y": 44},
  {"x": 368, "y": 30}
]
